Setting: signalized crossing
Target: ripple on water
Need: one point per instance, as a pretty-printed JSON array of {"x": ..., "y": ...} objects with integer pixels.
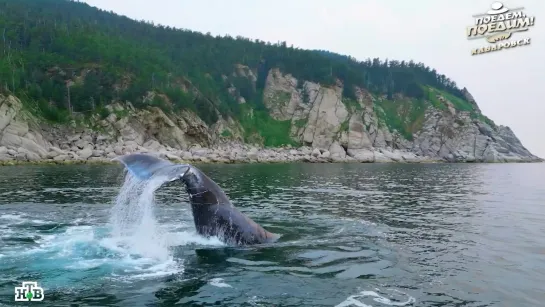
[{"x": 352, "y": 235}]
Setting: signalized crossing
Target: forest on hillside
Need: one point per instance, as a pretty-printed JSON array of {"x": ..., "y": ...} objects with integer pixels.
[{"x": 46, "y": 45}]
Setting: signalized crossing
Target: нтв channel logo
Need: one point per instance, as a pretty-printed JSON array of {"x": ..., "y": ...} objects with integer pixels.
[{"x": 29, "y": 292}]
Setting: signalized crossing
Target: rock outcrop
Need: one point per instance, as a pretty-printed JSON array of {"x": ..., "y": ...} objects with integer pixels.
[
  {"x": 329, "y": 127},
  {"x": 321, "y": 118}
]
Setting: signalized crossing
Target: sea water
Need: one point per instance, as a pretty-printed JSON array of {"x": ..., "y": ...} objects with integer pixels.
[{"x": 352, "y": 235}]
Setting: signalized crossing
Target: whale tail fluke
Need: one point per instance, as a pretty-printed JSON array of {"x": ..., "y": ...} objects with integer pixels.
[
  {"x": 212, "y": 210},
  {"x": 145, "y": 166}
]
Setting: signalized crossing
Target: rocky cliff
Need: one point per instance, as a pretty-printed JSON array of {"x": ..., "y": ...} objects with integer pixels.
[
  {"x": 360, "y": 130},
  {"x": 326, "y": 126}
]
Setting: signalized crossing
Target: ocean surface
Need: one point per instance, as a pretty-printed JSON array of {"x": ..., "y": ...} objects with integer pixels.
[{"x": 352, "y": 235}]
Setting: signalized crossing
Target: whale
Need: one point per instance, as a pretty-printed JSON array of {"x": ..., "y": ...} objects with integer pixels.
[{"x": 213, "y": 213}]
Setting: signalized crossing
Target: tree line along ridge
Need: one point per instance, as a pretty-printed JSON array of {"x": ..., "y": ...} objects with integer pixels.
[{"x": 63, "y": 56}]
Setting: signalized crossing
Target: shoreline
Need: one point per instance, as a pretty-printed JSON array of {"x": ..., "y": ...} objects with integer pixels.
[
  {"x": 206, "y": 161},
  {"x": 88, "y": 153},
  {"x": 94, "y": 162},
  {"x": 24, "y": 142}
]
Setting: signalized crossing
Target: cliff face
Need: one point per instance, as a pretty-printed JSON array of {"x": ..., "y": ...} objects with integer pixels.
[
  {"x": 326, "y": 121},
  {"x": 328, "y": 126},
  {"x": 24, "y": 137}
]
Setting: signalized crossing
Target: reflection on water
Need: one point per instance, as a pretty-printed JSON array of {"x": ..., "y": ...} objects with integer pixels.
[{"x": 352, "y": 235}]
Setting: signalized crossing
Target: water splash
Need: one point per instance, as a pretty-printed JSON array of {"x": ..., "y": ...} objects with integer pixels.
[
  {"x": 124, "y": 243},
  {"x": 133, "y": 218}
]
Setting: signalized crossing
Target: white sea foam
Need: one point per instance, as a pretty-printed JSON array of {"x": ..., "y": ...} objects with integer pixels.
[
  {"x": 356, "y": 300},
  {"x": 12, "y": 217},
  {"x": 218, "y": 282}
]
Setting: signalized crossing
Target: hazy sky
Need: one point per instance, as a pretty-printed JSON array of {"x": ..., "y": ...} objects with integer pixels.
[{"x": 508, "y": 85}]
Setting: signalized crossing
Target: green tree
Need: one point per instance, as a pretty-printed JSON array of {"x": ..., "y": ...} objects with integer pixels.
[{"x": 48, "y": 44}]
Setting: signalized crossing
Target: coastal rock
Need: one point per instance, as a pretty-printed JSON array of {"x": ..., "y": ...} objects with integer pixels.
[
  {"x": 337, "y": 150},
  {"x": 330, "y": 128},
  {"x": 381, "y": 157},
  {"x": 171, "y": 156},
  {"x": 62, "y": 158},
  {"x": 468, "y": 141},
  {"x": 320, "y": 117},
  {"x": 5, "y": 157},
  {"x": 85, "y": 153},
  {"x": 362, "y": 155},
  {"x": 394, "y": 155}
]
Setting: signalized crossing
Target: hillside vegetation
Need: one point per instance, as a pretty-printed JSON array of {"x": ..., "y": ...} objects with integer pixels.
[{"x": 64, "y": 58}]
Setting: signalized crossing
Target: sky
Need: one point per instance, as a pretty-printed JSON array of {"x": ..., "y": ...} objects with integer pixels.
[{"x": 508, "y": 85}]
